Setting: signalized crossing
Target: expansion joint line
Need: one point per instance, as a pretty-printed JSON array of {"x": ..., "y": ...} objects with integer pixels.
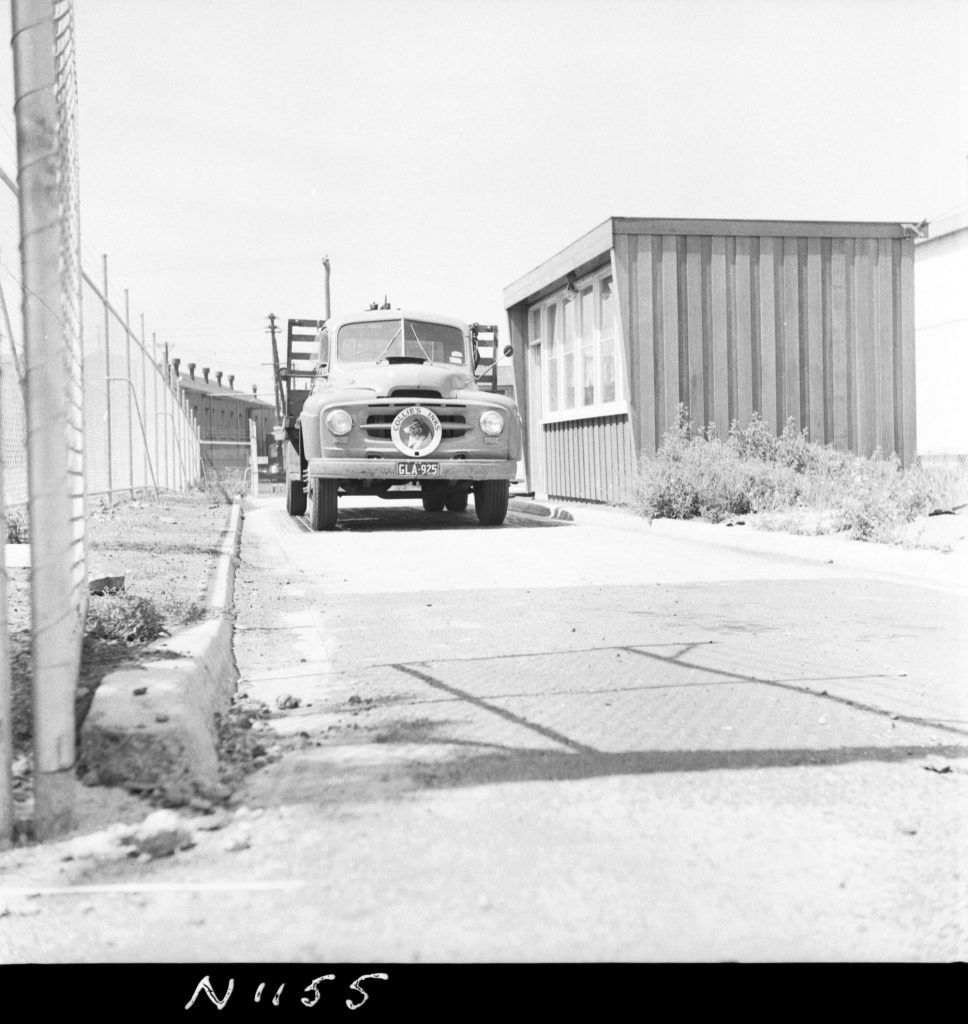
[
  {"x": 510, "y": 716},
  {"x": 738, "y": 677}
]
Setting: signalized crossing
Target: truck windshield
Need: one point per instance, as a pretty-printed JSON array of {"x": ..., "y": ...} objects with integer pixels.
[{"x": 415, "y": 339}]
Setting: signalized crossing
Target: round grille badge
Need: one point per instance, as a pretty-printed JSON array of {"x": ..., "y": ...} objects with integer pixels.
[{"x": 416, "y": 431}]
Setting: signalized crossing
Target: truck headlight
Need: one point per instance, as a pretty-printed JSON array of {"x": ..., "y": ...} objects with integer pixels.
[
  {"x": 339, "y": 422},
  {"x": 492, "y": 423}
]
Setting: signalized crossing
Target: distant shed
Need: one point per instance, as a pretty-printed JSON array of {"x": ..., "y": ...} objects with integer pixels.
[
  {"x": 807, "y": 320},
  {"x": 223, "y": 416}
]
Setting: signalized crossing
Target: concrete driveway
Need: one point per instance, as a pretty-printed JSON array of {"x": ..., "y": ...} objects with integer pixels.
[{"x": 565, "y": 741}]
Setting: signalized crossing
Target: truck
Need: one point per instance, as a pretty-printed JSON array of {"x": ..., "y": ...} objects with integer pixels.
[{"x": 390, "y": 403}]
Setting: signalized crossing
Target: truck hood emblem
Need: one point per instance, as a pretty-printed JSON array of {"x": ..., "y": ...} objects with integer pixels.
[{"x": 416, "y": 431}]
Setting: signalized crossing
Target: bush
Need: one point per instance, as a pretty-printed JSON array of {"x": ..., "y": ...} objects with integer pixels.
[
  {"x": 694, "y": 473},
  {"x": 124, "y": 617},
  {"x": 18, "y": 526}
]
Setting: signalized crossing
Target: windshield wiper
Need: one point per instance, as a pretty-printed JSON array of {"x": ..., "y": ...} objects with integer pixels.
[
  {"x": 420, "y": 343},
  {"x": 379, "y": 358}
]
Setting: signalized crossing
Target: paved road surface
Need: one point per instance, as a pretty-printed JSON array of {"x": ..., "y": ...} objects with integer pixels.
[{"x": 557, "y": 741}]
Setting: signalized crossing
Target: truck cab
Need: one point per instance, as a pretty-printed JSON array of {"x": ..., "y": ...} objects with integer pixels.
[{"x": 394, "y": 409}]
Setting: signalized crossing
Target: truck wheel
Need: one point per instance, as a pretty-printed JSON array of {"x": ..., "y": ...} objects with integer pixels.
[
  {"x": 296, "y": 498},
  {"x": 456, "y": 501},
  {"x": 433, "y": 499},
  {"x": 491, "y": 501},
  {"x": 325, "y": 506}
]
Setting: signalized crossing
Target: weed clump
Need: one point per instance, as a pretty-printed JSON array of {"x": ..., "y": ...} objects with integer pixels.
[
  {"x": 131, "y": 619},
  {"x": 126, "y": 618},
  {"x": 222, "y": 486},
  {"x": 695, "y": 473},
  {"x": 18, "y": 526}
]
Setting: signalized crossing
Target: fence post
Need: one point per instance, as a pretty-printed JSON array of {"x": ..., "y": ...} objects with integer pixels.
[
  {"x": 144, "y": 396},
  {"x": 6, "y": 692},
  {"x": 107, "y": 373},
  {"x": 254, "y": 458},
  {"x": 164, "y": 417},
  {"x": 54, "y": 422},
  {"x": 154, "y": 385},
  {"x": 184, "y": 438},
  {"x": 127, "y": 342}
]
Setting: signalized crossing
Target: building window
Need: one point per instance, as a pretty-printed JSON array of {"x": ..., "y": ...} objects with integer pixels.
[
  {"x": 578, "y": 333},
  {"x": 586, "y": 350},
  {"x": 606, "y": 334},
  {"x": 552, "y": 343},
  {"x": 568, "y": 352}
]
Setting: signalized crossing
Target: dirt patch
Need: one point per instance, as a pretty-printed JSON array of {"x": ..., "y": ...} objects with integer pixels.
[{"x": 167, "y": 551}]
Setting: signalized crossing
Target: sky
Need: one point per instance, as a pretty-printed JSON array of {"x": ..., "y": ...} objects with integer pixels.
[{"x": 437, "y": 151}]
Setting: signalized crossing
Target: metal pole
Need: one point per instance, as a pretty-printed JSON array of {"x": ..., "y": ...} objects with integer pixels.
[
  {"x": 107, "y": 371},
  {"x": 127, "y": 339},
  {"x": 254, "y": 458},
  {"x": 176, "y": 446},
  {"x": 326, "y": 283},
  {"x": 183, "y": 440},
  {"x": 164, "y": 413},
  {"x": 6, "y": 689},
  {"x": 55, "y": 630},
  {"x": 144, "y": 435},
  {"x": 144, "y": 394},
  {"x": 154, "y": 405}
]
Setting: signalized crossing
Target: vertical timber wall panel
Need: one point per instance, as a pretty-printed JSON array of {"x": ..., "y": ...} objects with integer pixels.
[
  {"x": 719, "y": 324},
  {"x": 766, "y": 300},
  {"x": 743, "y": 330},
  {"x": 813, "y": 338},
  {"x": 801, "y": 327},
  {"x": 589, "y": 460},
  {"x": 905, "y": 340}
]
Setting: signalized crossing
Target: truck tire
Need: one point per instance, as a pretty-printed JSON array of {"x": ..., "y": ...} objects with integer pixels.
[
  {"x": 433, "y": 499},
  {"x": 325, "y": 507},
  {"x": 296, "y": 498},
  {"x": 491, "y": 501},
  {"x": 456, "y": 501}
]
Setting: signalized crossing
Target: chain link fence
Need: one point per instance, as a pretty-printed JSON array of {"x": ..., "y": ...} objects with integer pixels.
[{"x": 87, "y": 407}]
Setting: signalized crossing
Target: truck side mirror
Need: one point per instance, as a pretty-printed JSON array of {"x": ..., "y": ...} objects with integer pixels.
[{"x": 508, "y": 351}]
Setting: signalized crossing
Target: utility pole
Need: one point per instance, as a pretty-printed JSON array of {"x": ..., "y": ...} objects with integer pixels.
[
  {"x": 277, "y": 389},
  {"x": 326, "y": 308}
]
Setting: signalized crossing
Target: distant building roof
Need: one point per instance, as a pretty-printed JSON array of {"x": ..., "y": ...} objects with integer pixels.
[
  {"x": 212, "y": 387},
  {"x": 948, "y": 225}
]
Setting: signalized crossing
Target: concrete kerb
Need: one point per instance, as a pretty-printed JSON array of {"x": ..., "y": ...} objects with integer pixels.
[
  {"x": 946, "y": 571},
  {"x": 153, "y": 727}
]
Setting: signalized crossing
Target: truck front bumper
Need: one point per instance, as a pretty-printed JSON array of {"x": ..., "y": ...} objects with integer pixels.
[{"x": 387, "y": 469}]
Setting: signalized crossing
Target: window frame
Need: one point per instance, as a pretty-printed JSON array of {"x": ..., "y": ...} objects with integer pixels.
[{"x": 557, "y": 300}]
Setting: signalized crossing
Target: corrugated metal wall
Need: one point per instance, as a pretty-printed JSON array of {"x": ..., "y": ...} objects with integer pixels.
[
  {"x": 590, "y": 459},
  {"x": 818, "y": 327}
]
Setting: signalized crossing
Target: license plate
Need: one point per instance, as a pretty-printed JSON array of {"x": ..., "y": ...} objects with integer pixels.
[{"x": 418, "y": 469}]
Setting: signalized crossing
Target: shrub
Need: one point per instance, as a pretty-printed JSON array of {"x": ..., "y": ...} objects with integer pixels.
[
  {"x": 124, "y": 617},
  {"x": 694, "y": 473},
  {"x": 692, "y": 476},
  {"x": 130, "y": 619},
  {"x": 18, "y": 526}
]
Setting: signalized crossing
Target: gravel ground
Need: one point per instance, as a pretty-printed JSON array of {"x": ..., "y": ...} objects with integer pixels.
[{"x": 166, "y": 550}]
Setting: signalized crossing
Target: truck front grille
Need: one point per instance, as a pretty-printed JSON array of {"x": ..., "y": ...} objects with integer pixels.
[{"x": 376, "y": 420}]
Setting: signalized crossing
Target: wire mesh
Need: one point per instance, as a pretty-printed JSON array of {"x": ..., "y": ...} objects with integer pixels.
[{"x": 85, "y": 409}]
